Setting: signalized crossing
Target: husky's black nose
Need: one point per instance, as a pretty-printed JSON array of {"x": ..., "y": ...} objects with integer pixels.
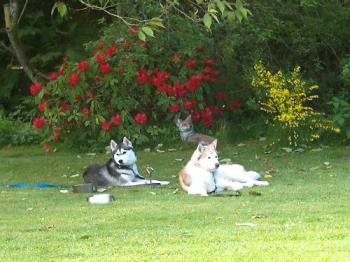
[
  {"x": 217, "y": 165},
  {"x": 120, "y": 161}
]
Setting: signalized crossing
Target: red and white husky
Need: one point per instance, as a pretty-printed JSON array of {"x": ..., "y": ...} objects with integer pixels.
[{"x": 203, "y": 174}]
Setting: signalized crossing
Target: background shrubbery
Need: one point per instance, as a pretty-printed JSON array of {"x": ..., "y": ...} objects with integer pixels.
[{"x": 309, "y": 33}]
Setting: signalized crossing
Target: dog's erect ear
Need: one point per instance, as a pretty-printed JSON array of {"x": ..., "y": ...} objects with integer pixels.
[
  {"x": 177, "y": 120},
  {"x": 214, "y": 144},
  {"x": 113, "y": 145},
  {"x": 188, "y": 120},
  {"x": 200, "y": 147},
  {"x": 127, "y": 142},
  {"x": 197, "y": 153}
]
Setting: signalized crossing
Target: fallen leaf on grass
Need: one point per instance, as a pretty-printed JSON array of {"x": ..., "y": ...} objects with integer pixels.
[
  {"x": 76, "y": 175},
  {"x": 241, "y": 144},
  {"x": 179, "y": 159},
  {"x": 267, "y": 176},
  {"x": 254, "y": 193},
  {"x": 287, "y": 149},
  {"x": 64, "y": 191},
  {"x": 175, "y": 191},
  {"x": 316, "y": 149},
  {"x": 46, "y": 227},
  {"x": 153, "y": 193},
  {"x": 258, "y": 216},
  {"x": 29, "y": 209},
  {"x": 314, "y": 168},
  {"x": 246, "y": 224},
  {"x": 160, "y": 151},
  {"x": 91, "y": 154},
  {"x": 171, "y": 149},
  {"x": 159, "y": 146},
  {"x": 147, "y": 150},
  {"x": 269, "y": 172}
]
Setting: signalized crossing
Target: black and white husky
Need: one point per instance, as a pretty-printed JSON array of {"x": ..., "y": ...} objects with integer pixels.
[{"x": 120, "y": 170}]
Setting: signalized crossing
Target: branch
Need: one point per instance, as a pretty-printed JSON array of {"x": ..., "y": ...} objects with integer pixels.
[
  {"x": 22, "y": 12},
  {"x": 105, "y": 9},
  {"x": 7, "y": 47},
  {"x": 10, "y": 24}
]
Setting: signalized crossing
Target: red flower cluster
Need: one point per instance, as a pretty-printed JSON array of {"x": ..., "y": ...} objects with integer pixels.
[
  {"x": 86, "y": 111},
  {"x": 190, "y": 104},
  {"x": 39, "y": 122},
  {"x": 117, "y": 120},
  {"x": 209, "y": 74},
  {"x": 207, "y": 117},
  {"x": 74, "y": 80},
  {"x": 53, "y": 76},
  {"x": 221, "y": 96},
  {"x": 234, "y": 106},
  {"x": 142, "y": 77},
  {"x": 194, "y": 83},
  {"x": 106, "y": 126},
  {"x": 105, "y": 68},
  {"x": 133, "y": 30},
  {"x": 35, "y": 88},
  {"x": 111, "y": 51},
  {"x": 42, "y": 107},
  {"x": 83, "y": 66},
  {"x": 174, "y": 108},
  {"x": 141, "y": 119},
  {"x": 180, "y": 90},
  {"x": 196, "y": 116},
  {"x": 56, "y": 134},
  {"x": 64, "y": 106},
  {"x": 191, "y": 64}
]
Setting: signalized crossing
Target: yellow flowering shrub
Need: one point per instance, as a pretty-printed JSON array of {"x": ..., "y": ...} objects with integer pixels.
[{"x": 287, "y": 99}]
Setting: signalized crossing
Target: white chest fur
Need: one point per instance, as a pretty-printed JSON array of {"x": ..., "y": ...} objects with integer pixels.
[{"x": 200, "y": 178}]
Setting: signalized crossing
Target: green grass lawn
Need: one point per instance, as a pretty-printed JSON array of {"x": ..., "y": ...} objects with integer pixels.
[{"x": 304, "y": 215}]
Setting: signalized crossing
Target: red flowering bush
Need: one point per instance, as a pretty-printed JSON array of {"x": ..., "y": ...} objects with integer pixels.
[{"x": 127, "y": 88}]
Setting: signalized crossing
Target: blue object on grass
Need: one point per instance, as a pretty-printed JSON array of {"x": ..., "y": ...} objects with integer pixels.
[{"x": 32, "y": 186}]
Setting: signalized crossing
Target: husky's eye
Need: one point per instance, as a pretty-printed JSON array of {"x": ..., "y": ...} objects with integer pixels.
[
  {"x": 209, "y": 157},
  {"x": 124, "y": 152}
]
